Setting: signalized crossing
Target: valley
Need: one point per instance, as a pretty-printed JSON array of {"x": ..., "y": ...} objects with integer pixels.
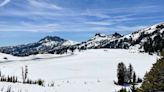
[{"x": 91, "y": 70}]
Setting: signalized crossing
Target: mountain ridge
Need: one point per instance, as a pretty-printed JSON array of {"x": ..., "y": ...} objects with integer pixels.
[
  {"x": 139, "y": 37},
  {"x": 150, "y": 39}
]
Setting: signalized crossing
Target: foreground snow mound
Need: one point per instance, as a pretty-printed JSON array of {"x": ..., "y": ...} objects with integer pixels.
[{"x": 87, "y": 71}]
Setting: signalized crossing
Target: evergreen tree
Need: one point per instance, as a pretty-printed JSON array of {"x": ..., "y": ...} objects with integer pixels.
[
  {"x": 121, "y": 73},
  {"x": 0, "y": 73},
  {"x": 123, "y": 90},
  {"x": 130, "y": 73},
  {"x": 72, "y": 49},
  {"x": 134, "y": 77},
  {"x": 154, "y": 79},
  {"x": 133, "y": 88}
]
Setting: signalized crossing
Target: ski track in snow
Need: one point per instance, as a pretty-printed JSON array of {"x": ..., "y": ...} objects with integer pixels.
[{"x": 36, "y": 59}]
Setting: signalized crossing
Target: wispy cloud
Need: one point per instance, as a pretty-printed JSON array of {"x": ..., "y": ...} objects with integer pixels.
[
  {"x": 99, "y": 23},
  {"x": 3, "y": 3},
  {"x": 48, "y": 16},
  {"x": 24, "y": 26},
  {"x": 126, "y": 29},
  {"x": 43, "y": 5}
]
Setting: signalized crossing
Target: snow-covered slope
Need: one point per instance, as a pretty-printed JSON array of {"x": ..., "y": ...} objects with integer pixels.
[
  {"x": 69, "y": 43},
  {"x": 99, "y": 40},
  {"x": 87, "y": 71},
  {"x": 152, "y": 30},
  {"x": 140, "y": 37}
]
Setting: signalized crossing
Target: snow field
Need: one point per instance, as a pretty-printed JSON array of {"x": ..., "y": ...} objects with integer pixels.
[{"x": 86, "y": 71}]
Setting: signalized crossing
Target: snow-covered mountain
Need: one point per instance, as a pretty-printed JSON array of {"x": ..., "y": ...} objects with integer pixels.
[
  {"x": 151, "y": 38},
  {"x": 99, "y": 40},
  {"x": 49, "y": 44}
]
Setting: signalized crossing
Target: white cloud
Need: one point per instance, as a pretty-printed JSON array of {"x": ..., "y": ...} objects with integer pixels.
[
  {"x": 4, "y": 3},
  {"x": 43, "y": 5},
  {"x": 67, "y": 19},
  {"x": 100, "y": 23},
  {"x": 126, "y": 28},
  {"x": 30, "y": 27}
]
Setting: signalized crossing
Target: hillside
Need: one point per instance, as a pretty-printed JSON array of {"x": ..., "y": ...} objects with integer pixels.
[{"x": 149, "y": 39}]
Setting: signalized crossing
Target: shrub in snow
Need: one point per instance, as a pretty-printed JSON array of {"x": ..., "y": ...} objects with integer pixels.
[
  {"x": 5, "y": 58},
  {"x": 40, "y": 82}
]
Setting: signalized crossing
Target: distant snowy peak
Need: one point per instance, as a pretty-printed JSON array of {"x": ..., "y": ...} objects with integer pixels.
[
  {"x": 54, "y": 40},
  {"x": 69, "y": 43},
  {"x": 117, "y": 35},
  {"x": 51, "y": 39},
  {"x": 100, "y": 36},
  {"x": 99, "y": 40},
  {"x": 49, "y": 44}
]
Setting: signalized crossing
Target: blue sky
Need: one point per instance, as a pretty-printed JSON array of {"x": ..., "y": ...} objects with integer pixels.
[{"x": 25, "y": 21}]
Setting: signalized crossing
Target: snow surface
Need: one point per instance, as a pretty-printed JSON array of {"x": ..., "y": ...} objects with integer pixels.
[{"x": 86, "y": 71}]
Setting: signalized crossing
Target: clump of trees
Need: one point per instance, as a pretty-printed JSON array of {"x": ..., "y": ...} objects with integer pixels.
[
  {"x": 154, "y": 79},
  {"x": 127, "y": 76},
  {"x": 155, "y": 44},
  {"x": 8, "y": 78},
  {"x": 12, "y": 79}
]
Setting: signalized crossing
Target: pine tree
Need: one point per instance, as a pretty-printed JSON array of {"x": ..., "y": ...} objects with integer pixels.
[
  {"x": 123, "y": 90},
  {"x": 134, "y": 77},
  {"x": 130, "y": 73},
  {"x": 121, "y": 73},
  {"x": 72, "y": 49},
  {"x": 133, "y": 88},
  {"x": 0, "y": 73}
]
